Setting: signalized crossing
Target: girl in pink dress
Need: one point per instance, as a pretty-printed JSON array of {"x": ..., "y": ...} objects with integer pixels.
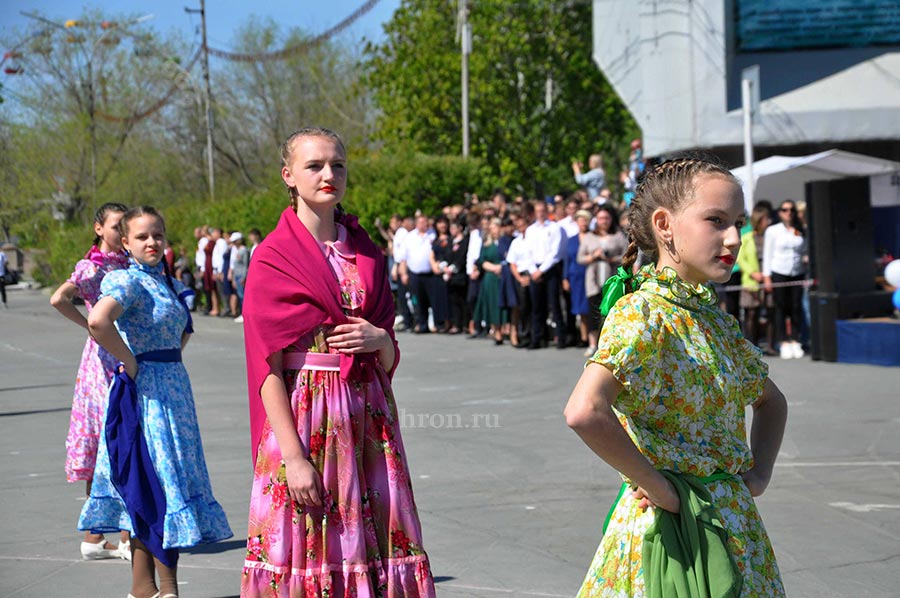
[
  {"x": 96, "y": 369},
  {"x": 332, "y": 510}
]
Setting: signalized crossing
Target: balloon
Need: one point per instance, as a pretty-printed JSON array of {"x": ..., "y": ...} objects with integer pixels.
[
  {"x": 897, "y": 298},
  {"x": 892, "y": 273}
]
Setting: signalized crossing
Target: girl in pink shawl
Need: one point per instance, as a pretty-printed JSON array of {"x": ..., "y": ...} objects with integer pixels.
[
  {"x": 331, "y": 509},
  {"x": 96, "y": 369}
]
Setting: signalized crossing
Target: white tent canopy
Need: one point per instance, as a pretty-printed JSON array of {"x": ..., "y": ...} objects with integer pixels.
[{"x": 784, "y": 177}]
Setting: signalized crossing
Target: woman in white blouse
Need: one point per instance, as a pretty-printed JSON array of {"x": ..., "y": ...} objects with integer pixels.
[{"x": 784, "y": 261}]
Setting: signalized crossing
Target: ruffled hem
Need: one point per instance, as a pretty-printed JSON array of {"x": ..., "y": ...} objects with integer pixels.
[
  {"x": 103, "y": 515},
  {"x": 408, "y": 577},
  {"x": 198, "y": 522}
]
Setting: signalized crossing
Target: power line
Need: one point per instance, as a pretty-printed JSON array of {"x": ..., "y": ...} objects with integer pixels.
[{"x": 300, "y": 47}]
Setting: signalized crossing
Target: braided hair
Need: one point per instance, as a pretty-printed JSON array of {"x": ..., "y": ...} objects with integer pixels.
[
  {"x": 287, "y": 150},
  {"x": 104, "y": 211},
  {"x": 668, "y": 185}
]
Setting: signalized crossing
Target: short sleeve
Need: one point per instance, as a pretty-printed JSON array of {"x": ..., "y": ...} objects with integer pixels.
[
  {"x": 178, "y": 286},
  {"x": 630, "y": 347},
  {"x": 121, "y": 286},
  {"x": 83, "y": 278}
]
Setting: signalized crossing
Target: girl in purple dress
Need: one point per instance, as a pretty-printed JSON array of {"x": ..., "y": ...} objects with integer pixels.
[{"x": 96, "y": 369}]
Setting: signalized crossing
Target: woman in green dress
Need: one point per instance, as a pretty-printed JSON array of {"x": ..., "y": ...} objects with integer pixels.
[{"x": 487, "y": 308}]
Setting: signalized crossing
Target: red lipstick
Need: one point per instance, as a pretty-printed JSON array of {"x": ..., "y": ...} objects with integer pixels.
[
  {"x": 728, "y": 259},
  {"x": 328, "y": 189}
]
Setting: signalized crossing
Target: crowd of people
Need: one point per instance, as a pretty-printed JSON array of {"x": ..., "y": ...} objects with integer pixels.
[
  {"x": 218, "y": 272},
  {"x": 531, "y": 272}
]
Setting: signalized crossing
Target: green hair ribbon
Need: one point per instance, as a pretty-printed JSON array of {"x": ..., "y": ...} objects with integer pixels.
[{"x": 613, "y": 290}]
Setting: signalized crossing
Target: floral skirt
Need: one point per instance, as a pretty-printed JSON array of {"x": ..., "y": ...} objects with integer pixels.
[
  {"x": 366, "y": 540},
  {"x": 616, "y": 571},
  {"x": 172, "y": 433},
  {"x": 88, "y": 411}
]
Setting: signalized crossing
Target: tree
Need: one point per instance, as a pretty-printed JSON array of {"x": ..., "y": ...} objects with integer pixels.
[
  {"x": 524, "y": 53},
  {"x": 12, "y": 208},
  {"x": 88, "y": 86},
  {"x": 259, "y": 103}
]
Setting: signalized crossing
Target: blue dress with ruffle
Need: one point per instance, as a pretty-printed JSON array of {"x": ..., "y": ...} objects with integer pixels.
[{"x": 153, "y": 319}]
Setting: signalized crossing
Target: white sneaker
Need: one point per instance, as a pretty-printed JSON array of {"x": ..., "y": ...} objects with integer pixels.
[
  {"x": 589, "y": 352},
  {"x": 785, "y": 351},
  {"x": 239, "y": 319},
  {"x": 797, "y": 351},
  {"x": 93, "y": 552}
]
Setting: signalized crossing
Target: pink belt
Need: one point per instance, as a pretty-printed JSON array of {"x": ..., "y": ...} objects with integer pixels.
[{"x": 330, "y": 362}]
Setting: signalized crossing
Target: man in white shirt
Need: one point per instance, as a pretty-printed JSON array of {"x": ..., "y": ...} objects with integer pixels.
[
  {"x": 399, "y": 254},
  {"x": 546, "y": 240},
  {"x": 200, "y": 255},
  {"x": 520, "y": 265},
  {"x": 569, "y": 225},
  {"x": 473, "y": 252},
  {"x": 424, "y": 283},
  {"x": 207, "y": 279},
  {"x": 220, "y": 248}
]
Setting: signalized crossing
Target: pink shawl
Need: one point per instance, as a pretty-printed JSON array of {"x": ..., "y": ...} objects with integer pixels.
[{"x": 291, "y": 290}]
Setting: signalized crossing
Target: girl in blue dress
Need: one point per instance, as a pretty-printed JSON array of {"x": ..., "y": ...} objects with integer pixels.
[{"x": 142, "y": 321}]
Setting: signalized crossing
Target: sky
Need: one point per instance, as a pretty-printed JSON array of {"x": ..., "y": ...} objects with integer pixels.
[{"x": 224, "y": 17}]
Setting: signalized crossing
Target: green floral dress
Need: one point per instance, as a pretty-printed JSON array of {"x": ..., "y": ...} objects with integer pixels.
[{"x": 688, "y": 375}]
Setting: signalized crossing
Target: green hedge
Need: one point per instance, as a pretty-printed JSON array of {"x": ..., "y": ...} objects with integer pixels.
[{"x": 385, "y": 184}]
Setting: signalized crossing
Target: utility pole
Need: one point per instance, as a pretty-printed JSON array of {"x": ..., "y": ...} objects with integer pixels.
[
  {"x": 209, "y": 116},
  {"x": 464, "y": 31}
]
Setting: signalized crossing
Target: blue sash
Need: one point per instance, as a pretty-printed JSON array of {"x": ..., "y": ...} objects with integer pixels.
[{"x": 131, "y": 468}]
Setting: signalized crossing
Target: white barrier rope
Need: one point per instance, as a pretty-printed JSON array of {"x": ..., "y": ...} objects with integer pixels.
[{"x": 774, "y": 285}]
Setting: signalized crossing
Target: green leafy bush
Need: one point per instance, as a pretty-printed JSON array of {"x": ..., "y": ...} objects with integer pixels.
[
  {"x": 59, "y": 247},
  {"x": 384, "y": 184}
]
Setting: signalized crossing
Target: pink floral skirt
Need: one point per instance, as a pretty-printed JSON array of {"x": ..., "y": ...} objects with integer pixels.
[
  {"x": 88, "y": 410},
  {"x": 366, "y": 540}
]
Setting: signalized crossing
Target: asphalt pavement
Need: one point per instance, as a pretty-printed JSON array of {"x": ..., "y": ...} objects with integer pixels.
[{"x": 511, "y": 501}]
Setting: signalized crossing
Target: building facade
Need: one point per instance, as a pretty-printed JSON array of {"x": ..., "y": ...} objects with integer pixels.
[{"x": 829, "y": 73}]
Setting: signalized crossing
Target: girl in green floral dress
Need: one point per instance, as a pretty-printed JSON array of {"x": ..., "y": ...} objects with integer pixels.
[{"x": 669, "y": 383}]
